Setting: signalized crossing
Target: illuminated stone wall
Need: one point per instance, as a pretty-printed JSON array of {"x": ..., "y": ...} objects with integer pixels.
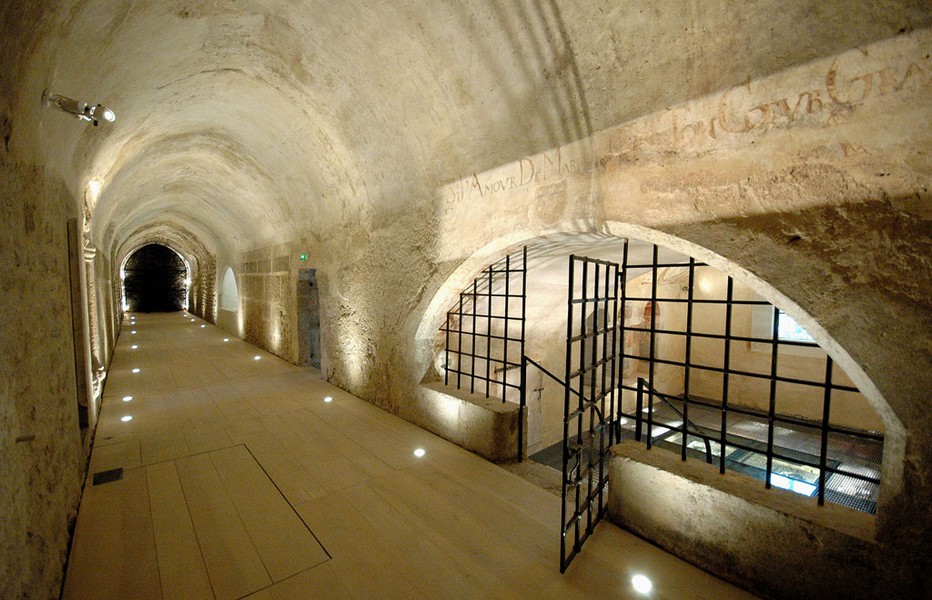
[
  {"x": 267, "y": 300},
  {"x": 42, "y": 459}
]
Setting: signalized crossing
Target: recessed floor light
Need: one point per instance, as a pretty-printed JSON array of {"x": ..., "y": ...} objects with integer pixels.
[
  {"x": 328, "y": 399},
  {"x": 126, "y": 418},
  {"x": 193, "y": 320},
  {"x": 420, "y": 452},
  {"x": 226, "y": 339},
  {"x": 134, "y": 346},
  {"x": 127, "y": 398},
  {"x": 203, "y": 326},
  {"x": 256, "y": 357},
  {"x": 641, "y": 584},
  {"x": 133, "y": 332},
  {"x": 136, "y": 370}
]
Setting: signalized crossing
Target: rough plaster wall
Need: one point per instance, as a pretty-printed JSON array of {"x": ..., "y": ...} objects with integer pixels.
[
  {"x": 396, "y": 264},
  {"x": 40, "y": 478},
  {"x": 113, "y": 288}
]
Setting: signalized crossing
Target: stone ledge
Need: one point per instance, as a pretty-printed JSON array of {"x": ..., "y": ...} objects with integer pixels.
[
  {"x": 767, "y": 541},
  {"x": 833, "y": 516},
  {"x": 486, "y": 426}
]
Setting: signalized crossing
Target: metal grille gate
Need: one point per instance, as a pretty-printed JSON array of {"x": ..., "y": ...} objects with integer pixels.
[{"x": 592, "y": 339}]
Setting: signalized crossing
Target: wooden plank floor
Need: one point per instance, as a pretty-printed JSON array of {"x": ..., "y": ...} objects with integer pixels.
[{"x": 240, "y": 481}]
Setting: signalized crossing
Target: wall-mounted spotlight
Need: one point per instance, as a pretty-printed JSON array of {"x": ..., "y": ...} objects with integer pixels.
[{"x": 82, "y": 110}]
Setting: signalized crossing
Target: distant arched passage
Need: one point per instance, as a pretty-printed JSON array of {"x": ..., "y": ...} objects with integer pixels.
[{"x": 155, "y": 279}]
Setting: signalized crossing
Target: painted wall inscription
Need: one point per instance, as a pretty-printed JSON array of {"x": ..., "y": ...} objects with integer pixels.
[{"x": 835, "y": 92}]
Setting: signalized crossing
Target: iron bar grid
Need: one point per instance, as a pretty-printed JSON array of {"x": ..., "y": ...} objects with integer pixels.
[
  {"x": 733, "y": 441},
  {"x": 789, "y": 420},
  {"x": 479, "y": 331},
  {"x": 645, "y": 391},
  {"x": 662, "y": 361}
]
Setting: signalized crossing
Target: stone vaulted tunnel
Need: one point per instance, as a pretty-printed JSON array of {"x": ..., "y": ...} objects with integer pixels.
[{"x": 334, "y": 175}]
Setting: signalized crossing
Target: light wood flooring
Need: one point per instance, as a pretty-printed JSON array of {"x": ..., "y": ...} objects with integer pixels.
[{"x": 240, "y": 481}]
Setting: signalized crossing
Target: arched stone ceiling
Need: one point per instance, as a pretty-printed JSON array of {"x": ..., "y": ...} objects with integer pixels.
[{"x": 257, "y": 121}]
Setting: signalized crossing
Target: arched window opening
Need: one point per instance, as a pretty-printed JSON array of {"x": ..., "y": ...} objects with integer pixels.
[
  {"x": 155, "y": 279},
  {"x": 702, "y": 365},
  {"x": 229, "y": 293}
]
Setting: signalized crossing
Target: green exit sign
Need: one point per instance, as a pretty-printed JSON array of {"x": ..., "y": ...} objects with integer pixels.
[{"x": 304, "y": 256}]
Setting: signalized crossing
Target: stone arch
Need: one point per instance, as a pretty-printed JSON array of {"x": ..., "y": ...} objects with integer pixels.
[
  {"x": 200, "y": 259},
  {"x": 156, "y": 278},
  {"x": 463, "y": 275}
]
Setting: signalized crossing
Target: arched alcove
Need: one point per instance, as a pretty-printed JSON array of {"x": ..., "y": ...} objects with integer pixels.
[
  {"x": 155, "y": 279},
  {"x": 229, "y": 293}
]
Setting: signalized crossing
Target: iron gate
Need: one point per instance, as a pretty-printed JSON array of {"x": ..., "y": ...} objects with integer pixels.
[{"x": 592, "y": 338}]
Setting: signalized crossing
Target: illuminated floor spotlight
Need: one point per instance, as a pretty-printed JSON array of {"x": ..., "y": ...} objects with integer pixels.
[
  {"x": 420, "y": 452},
  {"x": 126, "y": 418},
  {"x": 127, "y": 398},
  {"x": 226, "y": 339},
  {"x": 134, "y": 346},
  {"x": 641, "y": 584},
  {"x": 203, "y": 326},
  {"x": 328, "y": 399},
  {"x": 133, "y": 332},
  {"x": 256, "y": 357},
  {"x": 136, "y": 370}
]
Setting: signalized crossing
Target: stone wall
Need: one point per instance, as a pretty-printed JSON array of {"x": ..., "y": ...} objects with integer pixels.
[
  {"x": 268, "y": 298},
  {"x": 203, "y": 300},
  {"x": 42, "y": 463}
]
